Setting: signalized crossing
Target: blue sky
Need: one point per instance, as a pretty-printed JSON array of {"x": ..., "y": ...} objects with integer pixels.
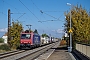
[{"x": 28, "y": 12}]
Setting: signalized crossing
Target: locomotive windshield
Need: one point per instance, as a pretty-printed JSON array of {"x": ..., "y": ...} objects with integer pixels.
[{"x": 25, "y": 36}]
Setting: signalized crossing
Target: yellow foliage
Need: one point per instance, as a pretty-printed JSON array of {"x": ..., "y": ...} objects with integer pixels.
[
  {"x": 80, "y": 23},
  {"x": 63, "y": 42},
  {"x": 16, "y": 29}
]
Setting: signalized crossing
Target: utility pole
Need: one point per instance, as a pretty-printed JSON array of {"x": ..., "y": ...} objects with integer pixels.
[{"x": 9, "y": 25}]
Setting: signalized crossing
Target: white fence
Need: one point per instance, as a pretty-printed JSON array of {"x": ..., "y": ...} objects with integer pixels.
[{"x": 83, "y": 49}]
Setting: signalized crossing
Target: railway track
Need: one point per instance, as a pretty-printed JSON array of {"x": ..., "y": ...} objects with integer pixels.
[
  {"x": 26, "y": 54},
  {"x": 7, "y": 54}
]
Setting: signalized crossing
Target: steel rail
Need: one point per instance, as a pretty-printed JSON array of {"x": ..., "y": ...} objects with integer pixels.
[
  {"x": 35, "y": 54},
  {"x": 7, "y": 54},
  {"x": 26, "y": 54}
]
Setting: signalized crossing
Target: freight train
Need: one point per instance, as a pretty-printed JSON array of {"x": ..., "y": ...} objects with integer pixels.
[{"x": 31, "y": 40}]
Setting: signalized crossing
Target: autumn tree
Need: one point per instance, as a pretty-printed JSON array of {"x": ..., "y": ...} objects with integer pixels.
[
  {"x": 80, "y": 19},
  {"x": 16, "y": 29}
]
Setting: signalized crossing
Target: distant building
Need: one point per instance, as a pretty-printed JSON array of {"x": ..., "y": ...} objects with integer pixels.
[
  {"x": 5, "y": 38},
  {"x": 66, "y": 35}
]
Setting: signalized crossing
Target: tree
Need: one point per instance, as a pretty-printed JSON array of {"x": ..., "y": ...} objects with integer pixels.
[
  {"x": 1, "y": 40},
  {"x": 80, "y": 24},
  {"x": 45, "y": 35},
  {"x": 36, "y": 31},
  {"x": 15, "y": 31}
]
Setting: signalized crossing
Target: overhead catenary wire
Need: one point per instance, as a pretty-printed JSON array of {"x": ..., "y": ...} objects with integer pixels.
[
  {"x": 37, "y": 7},
  {"x": 45, "y": 14},
  {"x": 60, "y": 16},
  {"x": 2, "y": 9},
  {"x": 50, "y": 20},
  {"x": 10, "y": 5},
  {"x": 42, "y": 11},
  {"x": 28, "y": 9},
  {"x": 39, "y": 10},
  {"x": 53, "y": 11},
  {"x": 14, "y": 8},
  {"x": 20, "y": 16},
  {"x": 3, "y": 13},
  {"x": 48, "y": 14},
  {"x": 57, "y": 19}
]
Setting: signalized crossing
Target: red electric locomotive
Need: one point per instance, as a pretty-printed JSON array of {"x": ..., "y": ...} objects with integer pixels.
[{"x": 29, "y": 40}]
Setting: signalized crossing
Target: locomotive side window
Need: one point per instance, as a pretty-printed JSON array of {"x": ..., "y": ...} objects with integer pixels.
[{"x": 25, "y": 36}]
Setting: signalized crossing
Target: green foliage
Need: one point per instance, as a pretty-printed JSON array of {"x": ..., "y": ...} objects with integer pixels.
[
  {"x": 45, "y": 35},
  {"x": 5, "y": 47},
  {"x": 16, "y": 29},
  {"x": 36, "y": 31},
  {"x": 1, "y": 40},
  {"x": 80, "y": 24}
]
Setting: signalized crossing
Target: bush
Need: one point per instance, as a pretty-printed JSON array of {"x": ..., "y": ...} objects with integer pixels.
[
  {"x": 5, "y": 47},
  {"x": 63, "y": 42},
  {"x": 1, "y": 40}
]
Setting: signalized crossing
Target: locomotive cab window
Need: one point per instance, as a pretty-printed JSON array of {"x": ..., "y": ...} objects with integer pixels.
[{"x": 25, "y": 36}]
